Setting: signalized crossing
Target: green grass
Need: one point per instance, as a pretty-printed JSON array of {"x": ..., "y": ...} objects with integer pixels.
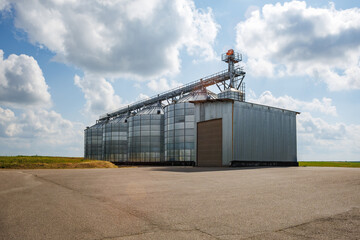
[
  {"x": 30, "y": 162},
  {"x": 329, "y": 164}
]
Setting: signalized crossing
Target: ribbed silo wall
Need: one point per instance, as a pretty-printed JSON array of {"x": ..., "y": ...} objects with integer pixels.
[
  {"x": 146, "y": 137},
  {"x": 86, "y": 143},
  {"x": 94, "y": 142},
  {"x": 263, "y": 133},
  {"x": 179, "y": 132},
  {"x": 116, "y": 140}
]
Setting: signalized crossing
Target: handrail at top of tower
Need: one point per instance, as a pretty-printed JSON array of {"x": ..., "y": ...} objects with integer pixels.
[{"x": 203, "y": 82}]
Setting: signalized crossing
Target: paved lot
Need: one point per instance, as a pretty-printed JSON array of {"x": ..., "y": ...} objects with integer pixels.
[{"x": 180, "y": 203}]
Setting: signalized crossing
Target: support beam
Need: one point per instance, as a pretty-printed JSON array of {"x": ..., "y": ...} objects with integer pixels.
[{"x": 193, "y": 86}]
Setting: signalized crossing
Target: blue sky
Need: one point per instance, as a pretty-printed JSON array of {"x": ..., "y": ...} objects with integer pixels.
[{"x": 65, "y": 62}]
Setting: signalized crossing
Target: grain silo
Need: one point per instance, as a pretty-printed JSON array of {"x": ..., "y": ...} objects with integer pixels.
[
  {"x": 116, "y": 139},
  {"x": 94, "y": 144},
  {"x": 146, "y": 135},
  {"x": 189, "y": 125},
  {"x": 179, "y": 128}
]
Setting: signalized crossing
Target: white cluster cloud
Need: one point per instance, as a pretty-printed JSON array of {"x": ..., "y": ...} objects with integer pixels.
[
  {"x": 42, "y": 128},
  {"x": 295, "y": 39},
  {"x": 323, "y": 106},
  {"x": 320, "y": 140},
  {"x": 317, "y": 138},
  {"x": 142, "y": 97},
  {"x": 320, "y": 129},
  {"x": 7, "y": 118},
  {"x": 99, "y": 94},
  {"x": 119, "y": 38},
  {"x": 22, "y": 82},
  {"x": 23, "y": 86},
  {"x": 46, "y": 125},
  {"x": 162, "y": 85},
  {"x": 4, "y": 4}
]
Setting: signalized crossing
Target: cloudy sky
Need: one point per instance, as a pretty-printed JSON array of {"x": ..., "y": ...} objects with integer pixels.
[{"x": 65, "y": 62}]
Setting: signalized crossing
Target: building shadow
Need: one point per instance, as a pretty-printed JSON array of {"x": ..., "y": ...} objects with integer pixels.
[{"x": 186, "y": 169}]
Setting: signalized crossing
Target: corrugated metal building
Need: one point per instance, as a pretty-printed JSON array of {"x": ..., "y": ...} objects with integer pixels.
[
  {"x": 249, "y": 134},
  {"x": 190, "y": 125},
  {"x": 146, "y": 135}
]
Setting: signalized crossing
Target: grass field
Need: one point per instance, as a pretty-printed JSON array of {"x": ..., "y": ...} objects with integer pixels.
[
  {"x": 329, "y": 164},
  {"x": 31, "y": 162}
]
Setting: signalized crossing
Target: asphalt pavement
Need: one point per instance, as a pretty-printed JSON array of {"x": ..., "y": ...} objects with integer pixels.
[{"x": 180, "y": 203}]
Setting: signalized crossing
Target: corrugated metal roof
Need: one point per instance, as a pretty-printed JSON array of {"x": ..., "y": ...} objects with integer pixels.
[
  {"x": 198, "y": 96},
  {"x": 118, "y": 119},
  {"x": 154, "y": 109},
  {"x": 98, "y": 125},
  {"x": 231, "y": 90},
  {"x": 248, "y": 103}
]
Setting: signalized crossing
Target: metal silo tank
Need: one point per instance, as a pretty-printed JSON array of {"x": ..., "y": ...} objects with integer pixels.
[
  {"x": 146, "y": 135},
  {"x": 116, "y": 140},
  {"x": 180, "y": 127},
  {"x": 94, "y": 141},
  {"x": 87, "y": 141}
]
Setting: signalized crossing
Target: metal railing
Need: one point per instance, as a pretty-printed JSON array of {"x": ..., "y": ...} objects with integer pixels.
[
  {"x": 236, "y": 57},
  {"x": 203, "y": 82}
]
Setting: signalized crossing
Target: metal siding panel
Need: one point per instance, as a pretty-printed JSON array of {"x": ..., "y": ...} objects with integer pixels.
[
  {"x": 286, "y": 133},
  {"x": 284, "y": 137},
  {"x": 227, "y": 134},
  {"x": 196, "y": 116},
  {"x": 247, "y": 141},
  {"x": 250, "y": 135},
  {"x": 241, "y": 139},
  {"x": 215, "y": 110},
  {"x": 249, "y": 127},
  {"x": 243, "y": 136},
  {"x": 274, "y": 137},
  {"x": 288, "y": 138},
  {"x": 260, "y": 133},
  {"x": 263, "y": 133},
  {"x": 268, "y": 138},
  {"x": 281, "y": 137},
  {"x": 278, "y": 136},
  {"x": 252, "y": 125},
  {"x": 293, "y": 138},
  {"x": 238, "y": 132}
]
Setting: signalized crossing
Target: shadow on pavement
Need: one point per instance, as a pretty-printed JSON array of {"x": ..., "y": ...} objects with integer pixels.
[{"x": 201, "y": 169}]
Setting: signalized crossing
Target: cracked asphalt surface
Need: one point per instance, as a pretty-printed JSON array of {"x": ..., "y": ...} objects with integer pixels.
[{"x": 180, "y": 203}]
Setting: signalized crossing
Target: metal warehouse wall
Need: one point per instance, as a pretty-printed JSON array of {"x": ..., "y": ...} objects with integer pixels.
[
  {"x": 251, "y": 132},
  {"x": 263, "y": 133},
  {"x": 213, "y": 110}
]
